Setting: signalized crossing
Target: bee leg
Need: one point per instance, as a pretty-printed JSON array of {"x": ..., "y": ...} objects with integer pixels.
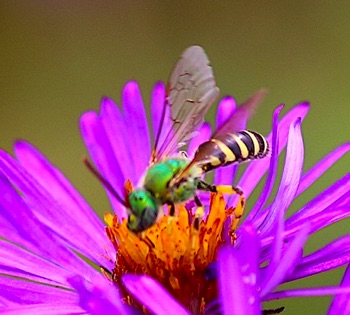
[
  {"x": 227, "y": 189},
  {"x": 199, "y": 212},
  {"x": 224, "y": 189},
  {"x": 108, "y": 274},
  {"x": 172, "y": 210}
]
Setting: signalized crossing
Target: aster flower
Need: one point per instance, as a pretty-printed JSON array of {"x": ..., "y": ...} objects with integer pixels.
[
  {"x": 40, "y": 239},
  {"x": 47, "y": 227},
  {"x": 280, "y": 241}
]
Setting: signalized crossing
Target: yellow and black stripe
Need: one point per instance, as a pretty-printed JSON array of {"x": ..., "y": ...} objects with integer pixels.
[{"x": 231, "y": 148}]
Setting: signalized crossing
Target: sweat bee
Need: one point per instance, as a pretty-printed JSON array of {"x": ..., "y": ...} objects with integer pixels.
[{"x": 171, "y": 179}]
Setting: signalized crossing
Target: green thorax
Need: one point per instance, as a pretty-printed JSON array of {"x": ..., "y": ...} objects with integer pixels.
[{"x": 158, "y": 181}]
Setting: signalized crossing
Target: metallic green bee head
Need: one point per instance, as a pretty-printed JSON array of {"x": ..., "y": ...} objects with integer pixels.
[{"x": 143, "y": 210}]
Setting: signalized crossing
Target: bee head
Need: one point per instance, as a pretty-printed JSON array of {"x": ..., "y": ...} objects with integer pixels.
[{"x": 143, "y": 210}]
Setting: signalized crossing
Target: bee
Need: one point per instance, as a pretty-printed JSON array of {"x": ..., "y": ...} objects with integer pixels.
[{"x": 171, "y": 179}]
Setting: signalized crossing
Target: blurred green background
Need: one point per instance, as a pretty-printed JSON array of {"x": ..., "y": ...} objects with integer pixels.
[{"x": 58, "y": 58}]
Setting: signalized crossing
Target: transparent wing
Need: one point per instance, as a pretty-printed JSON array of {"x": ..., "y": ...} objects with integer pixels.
[
  {"x": 191, "y": 90},
  {"x": 238, "y": 120}
]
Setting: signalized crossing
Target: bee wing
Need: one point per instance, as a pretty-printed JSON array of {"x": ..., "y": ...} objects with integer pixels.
[
  {"x": 238, "y": 120},
  {"x": 191, "y": 90}
]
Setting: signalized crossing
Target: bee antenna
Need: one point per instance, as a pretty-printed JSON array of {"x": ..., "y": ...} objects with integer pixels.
[{"x": 102, "y": 180}]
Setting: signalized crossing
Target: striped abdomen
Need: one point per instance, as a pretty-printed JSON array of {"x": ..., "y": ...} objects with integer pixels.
[{"x": 231, "y": 148}]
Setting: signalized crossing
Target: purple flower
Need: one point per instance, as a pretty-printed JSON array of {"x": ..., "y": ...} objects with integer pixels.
[{"x": 46, "y": 227}]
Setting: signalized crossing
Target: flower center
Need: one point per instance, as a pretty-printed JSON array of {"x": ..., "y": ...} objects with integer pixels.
[{"x": 175, "y": 252}]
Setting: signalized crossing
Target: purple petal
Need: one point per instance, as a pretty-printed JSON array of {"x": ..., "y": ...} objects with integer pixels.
[
  {"x": 27, "y": 225},
  {"x": 307, "y": 292},
  {"x": 329, "y": 257},
  {"x": 152, "y": 295},
  {"x": 272, "y": 170},
  {"x": 235, "y": 119},
  {"x": 18, "y": 262},
  {"x": 290, "y": 178},
  {"x": 38, "y": 237},
  {"x": 248, "y": 253},
  {"x": 345, "y": 200},
  {"x": 99, "y": 298},
  {"x": 118, "y": 135},
  {"x": 17, "y": 292},
  {"x": 317, "y": 221},
  {"x": 19, "y": 233},
  {"x": 136, "y": 120},
  {"x": 330, "y": 197},
  {"x": 256, "y": 169},
  {"x": 65, "y": 201},
  {"x": 97, "y": 142},
  {"x": 341, "y": 303},
  {"x": 238, "y": 272},
  {"x": 274, "y": 220},
  {"x": 203, "y": 135},
  {"x": 43, "y": 309},
  {"x": 286, "y": 264},
  {"x": 277, "y": 246},
  {"x": 233, "y": 294},
  {"x": 317, "y": 170},
  {"x": 323, "y": 219},
  {"x": 238, "y": 121},
  {"x": 160, "y": 114},
  {"x": 225, "y": 176},
  {"x": 226, "y": 108}
]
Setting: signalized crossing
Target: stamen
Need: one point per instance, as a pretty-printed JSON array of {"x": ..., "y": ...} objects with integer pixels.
[{"x": 175, "y": 252}]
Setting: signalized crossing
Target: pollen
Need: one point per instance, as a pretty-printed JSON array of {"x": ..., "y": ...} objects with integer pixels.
[{"x": 175, "y": 251}]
